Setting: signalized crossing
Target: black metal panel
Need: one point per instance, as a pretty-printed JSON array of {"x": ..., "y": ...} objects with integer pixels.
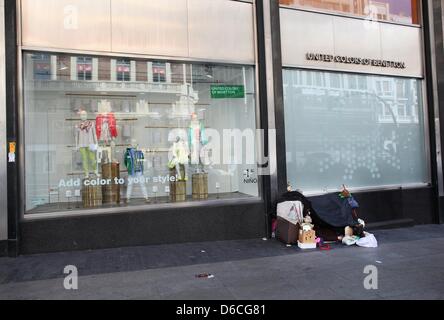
[
  {"x": 262, "y": 83},
  {"x": 276, "y": 185},
  {"x": 210, "y": 223},
  {"x": 437, "y": 7},
  {"x": 3, "y": 248},
  {"x": 12, "y": 122},
  {"x": 278, "y": 98}
]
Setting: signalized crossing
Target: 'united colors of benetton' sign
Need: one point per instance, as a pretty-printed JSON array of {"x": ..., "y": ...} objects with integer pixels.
[{"x": 354, "y": 60}]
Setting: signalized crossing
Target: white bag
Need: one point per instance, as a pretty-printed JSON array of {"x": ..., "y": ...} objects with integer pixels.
[
  {"x": 369, "y": 241},
  {"x": 292, "y": 211}
]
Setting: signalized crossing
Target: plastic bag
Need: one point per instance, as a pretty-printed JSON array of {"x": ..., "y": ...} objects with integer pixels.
[
  {"x": 350, "y": 240},
  {"x": 369, "y": 241}
]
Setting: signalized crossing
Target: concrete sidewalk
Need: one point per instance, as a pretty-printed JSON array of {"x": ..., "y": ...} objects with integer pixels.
[{"x": 410, "y": 264}]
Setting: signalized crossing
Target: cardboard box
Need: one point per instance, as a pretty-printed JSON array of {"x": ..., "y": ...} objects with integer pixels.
[{"x": 307, "y": 237}]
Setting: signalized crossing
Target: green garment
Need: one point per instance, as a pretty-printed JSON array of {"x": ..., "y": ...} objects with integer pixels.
[{"x": 88, "y": 160}]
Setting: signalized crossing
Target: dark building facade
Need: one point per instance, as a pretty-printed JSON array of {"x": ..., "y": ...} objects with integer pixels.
[{"x": 127, "y": 123}]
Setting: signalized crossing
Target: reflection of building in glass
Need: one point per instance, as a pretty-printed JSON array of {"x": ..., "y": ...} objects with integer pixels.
[
  {"x": 359, "y": 129},
  {"x": 403, "y": 11},
  {"x": 398, "y": 98}
]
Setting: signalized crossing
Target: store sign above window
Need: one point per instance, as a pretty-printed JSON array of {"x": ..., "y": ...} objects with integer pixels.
[{"x": 354, "y": 60}]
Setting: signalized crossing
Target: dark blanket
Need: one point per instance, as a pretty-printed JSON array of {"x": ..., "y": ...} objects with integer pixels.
[{"x": 334, "y": 210}]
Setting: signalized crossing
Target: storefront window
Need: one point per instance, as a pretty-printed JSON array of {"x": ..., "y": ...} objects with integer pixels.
[
  {"x": 400, "y": 11},
  {"x": 102, "y": 144},
  {"x": 362, "y": 136}
]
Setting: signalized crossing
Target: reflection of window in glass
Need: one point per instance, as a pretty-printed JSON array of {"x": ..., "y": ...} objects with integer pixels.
[
  {"x": 177, "y": 73},
  {"x": 387, "y": 110},
  {"x": 400, "y": 89},
  {"x": 159, "y": 72},
  {"x": 402, "y": 110},
  {"x": 353, "y": 82},
  {"x": 335, "y": 80},
  {"x": 308, "y": 79},
  {"x": 319, "y": 80},
  {"x": 123, "y": 68},
  {"x": 385, "y": 87},
  {"x": 42, "y": 66},
  {"x": 84, "y": 68},
  {"x": 362, "y": 83},
  {"x": 372, "y": 139},
  {"x": 402, "y": 11}
]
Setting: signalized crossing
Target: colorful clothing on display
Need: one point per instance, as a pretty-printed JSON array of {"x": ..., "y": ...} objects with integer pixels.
[
  {"x": 106, "y": 127},
  {"x": 196, "y": 139},
  {"x": 134, "y": 161},
  {"x": 180, "y": 154},
  {"x": 196, "y": 134},
  {"x": 86, "y": 135},
  {"x": 88, "y": 160}
]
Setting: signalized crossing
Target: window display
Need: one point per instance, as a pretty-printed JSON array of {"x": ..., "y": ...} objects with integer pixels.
[
  {"x": 358, "y": 130},
  {"x": 401, "y": 11},
  {"x": 138, "y": 132}
]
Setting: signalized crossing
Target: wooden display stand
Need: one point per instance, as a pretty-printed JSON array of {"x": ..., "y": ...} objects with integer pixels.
[
  {"x": 91, "y": 195},
  {"x": 200, "y": 186},
  {"x": 178, "y": 189},
  {"x": 111, "y": 192}
]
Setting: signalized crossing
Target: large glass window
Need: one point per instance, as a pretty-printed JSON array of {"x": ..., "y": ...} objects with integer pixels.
[
  {"x": 400, "y": 11},
  {"x": 104, "y": 144},
  {"x": 366, "y": 132}
]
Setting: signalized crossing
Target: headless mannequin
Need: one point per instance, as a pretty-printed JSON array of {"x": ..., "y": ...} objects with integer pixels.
[
  {"x": 180, "y": 159},
  {"x": 196, "y": 141},
  {"x": 86, "y": 143},
  {"x": 134, "y": 162},
  {"x": 106, "y": 130}
]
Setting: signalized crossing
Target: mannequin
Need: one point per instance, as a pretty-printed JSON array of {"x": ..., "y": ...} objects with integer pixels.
[
  {"x": 180, "y": 158},
  {"x": 106, "y": 128},
  {"x": 197, "y": 140},
  {"x": 134, "y": 161},
  {"x": 86, "y": 143}
]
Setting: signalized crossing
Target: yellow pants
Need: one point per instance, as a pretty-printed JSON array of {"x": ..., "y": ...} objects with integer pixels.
[{"x": 89, "y": 160}]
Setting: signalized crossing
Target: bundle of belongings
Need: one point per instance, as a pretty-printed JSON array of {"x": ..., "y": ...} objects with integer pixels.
[{"x": 327, "y": 218}]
